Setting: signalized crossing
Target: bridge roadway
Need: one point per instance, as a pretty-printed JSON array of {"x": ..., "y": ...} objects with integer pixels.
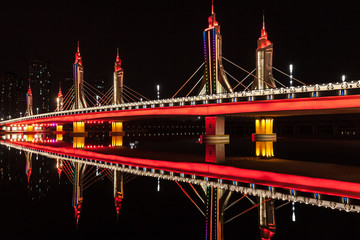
[
  {"x": 314, "y": 178},
  {"x": 325, "y": 99}
]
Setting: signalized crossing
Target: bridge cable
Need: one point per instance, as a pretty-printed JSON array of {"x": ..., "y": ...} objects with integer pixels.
[
  {"x": 132, "y": 94},
  {"x": 195, "y": 85},
  {"x": 137, "y": 93},
  {"x": 188, "y": 79},
  {"x": 245, "y": 79},
  {"x": 278, "y": 207},
  {"x": 197, "y": 193},
  {"x": 236, "y": 80},
  {"x": 234, "y": 202},
  {"x": 279, "y": 82},
  {"x": 186, "y": 194},
  {"x": 129, "y": 97},
  {"x": 288, "y": 75},
  {"x": 67, "y": 96},
  {"x": 247, "y": 210},
  {"x": 248, "y": 72}
]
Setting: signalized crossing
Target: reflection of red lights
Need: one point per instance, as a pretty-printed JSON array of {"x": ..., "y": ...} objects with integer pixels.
[{"x": 288, "y": 181}]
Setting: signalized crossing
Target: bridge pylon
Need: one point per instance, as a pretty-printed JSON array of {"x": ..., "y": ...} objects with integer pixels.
[
  {"x": 28, "y": 165},
  {"x": 215, "y": 80},
  {"x": 266, "y": 218},
  {"x": 78, "y": 75},
  {"x": 118, "y": 81},
  {"x": 118, "y": 191},
  {"x": 264, "y": 57},
  {"x": 29, "y": 102}
]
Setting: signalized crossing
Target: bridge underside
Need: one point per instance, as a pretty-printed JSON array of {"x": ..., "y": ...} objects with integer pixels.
[{"x": 266, "y": 108}]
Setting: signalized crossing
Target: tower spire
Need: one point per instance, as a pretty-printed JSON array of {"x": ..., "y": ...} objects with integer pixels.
[
  {"x": 263, "y": 21},
  {"x": 212, "y": 7}
]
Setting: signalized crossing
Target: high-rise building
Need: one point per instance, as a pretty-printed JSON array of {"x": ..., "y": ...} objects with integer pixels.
[
  {"x": 40, "y": 81},
  {"x": 264, "y": 55},
  {"x": 215, "y": 80},
  {"x": 12, "y": 96}
]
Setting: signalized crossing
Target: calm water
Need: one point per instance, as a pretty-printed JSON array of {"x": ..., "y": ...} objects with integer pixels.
[{"x": 43, "y": 208}]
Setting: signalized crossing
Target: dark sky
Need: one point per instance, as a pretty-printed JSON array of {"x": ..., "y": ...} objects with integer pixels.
[{"x": 160, "y": 42}]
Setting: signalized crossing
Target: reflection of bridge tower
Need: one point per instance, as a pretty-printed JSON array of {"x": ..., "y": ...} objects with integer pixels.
[
  {"x": 266, "y": 218},
  {"x": 216, "y": 201},
  {"x": 79, "y": 170},
  {"x": 264, "y": 55},
  {"x": 78, "y": 74},
  {"x": 215, "y": 80},
  {"x": 59, "y": 167},
  {"x": 28, "y": 166},
  {"x": 118, "y": 83},
  {"x": 29, "y": 103},
  {"x": 118, "y": 190}
]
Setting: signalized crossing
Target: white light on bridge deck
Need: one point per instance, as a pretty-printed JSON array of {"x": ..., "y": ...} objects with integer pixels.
[
  {"x": 293, "y": 211},
  {"x": 158, "y": 185},
  {"x": 158, "y": 91},
  {"x": 343, "y": 78},
  {"x": 291, "y": 74}
]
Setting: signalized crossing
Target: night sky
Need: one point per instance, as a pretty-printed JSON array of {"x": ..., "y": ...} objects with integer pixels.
[{"x": 160, "y": 42}]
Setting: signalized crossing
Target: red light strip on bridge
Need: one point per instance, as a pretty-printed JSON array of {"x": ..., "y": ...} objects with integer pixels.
[{"x": 288, "y": 181}]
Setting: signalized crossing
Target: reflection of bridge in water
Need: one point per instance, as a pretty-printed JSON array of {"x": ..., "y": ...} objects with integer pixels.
[{"x": 214, "y": 184}]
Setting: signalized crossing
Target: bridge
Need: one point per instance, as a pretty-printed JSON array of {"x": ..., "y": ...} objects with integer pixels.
[{"x": 216, "y": 99}]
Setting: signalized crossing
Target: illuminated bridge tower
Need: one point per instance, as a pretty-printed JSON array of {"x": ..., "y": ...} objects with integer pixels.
[
  {"x": 60, "y": 101},
  {"x": 29, "y": 103},
  {"x": 78, "y": 74},
  {"x": 118, "y": 83},
  {"x": 266, "y": 218},
  {"x": 215, "y": 80},
  {"x": 264, "y": 55},
  {"x": 28, "y": 166}
]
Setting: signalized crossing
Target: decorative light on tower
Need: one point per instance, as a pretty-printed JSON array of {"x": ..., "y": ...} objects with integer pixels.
[
  {"x": 215, "y": 80},
  {"x": 118, "y": 82},
  {"x": 264, "y": 55},
  {"x": 78, "y": 74},
  {"x": 29, "y": 103}
]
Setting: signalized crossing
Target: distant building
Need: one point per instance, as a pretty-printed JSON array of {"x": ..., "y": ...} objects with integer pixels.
[
  {"x": 12, "y": 96},
  {"x": 100, "y": 85},
  {"x": 40, "y": 80}
]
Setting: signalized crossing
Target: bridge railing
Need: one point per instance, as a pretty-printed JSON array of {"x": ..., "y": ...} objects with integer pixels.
[{"x": 317, "y": 90}]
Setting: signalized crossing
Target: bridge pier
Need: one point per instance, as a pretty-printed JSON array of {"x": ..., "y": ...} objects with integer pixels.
[
  {"x": 264, "y": 149},
  {"x": 79, "y": 134},
  {"x": 117, "y": 134},
  {"x": 264, "y": 130},
  {"x": 59, "y": 132},
  {"x": 215, "y": 139},
  {"x": 266, "y": 218}
]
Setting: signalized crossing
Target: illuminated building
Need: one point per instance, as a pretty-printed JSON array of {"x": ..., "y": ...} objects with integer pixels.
[
  {"x": 215, "y": 80},
  {"x": 264, "y": 55}
]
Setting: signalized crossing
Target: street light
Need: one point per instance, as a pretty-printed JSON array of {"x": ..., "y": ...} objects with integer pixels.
[
  {"x": 158, "y": 91},
  {"x": 291, "y": 74},
  {"x": 343, "y": 78}
]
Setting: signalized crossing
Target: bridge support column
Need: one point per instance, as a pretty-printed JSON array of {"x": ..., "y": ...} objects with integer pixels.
[
  {"x": 264, "y": 130},
  {"x": 264, "y": 149},
  {"x": 215, "y": 139},
  {"x": 79, "y": 134},
  {"x": 117, "y": 134},
  {"x": 216, "y": 201},
  {"x": 266, "y": 218},
  {"x": 59, "y": 132}
]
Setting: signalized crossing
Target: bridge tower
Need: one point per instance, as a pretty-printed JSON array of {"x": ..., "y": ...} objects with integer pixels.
[
  {"x": 79, "y": 171},
  {"x": 216, "y": 201},
  {"x": 215, "y": 80},
  {"x": 266, "y": 218},
  {"x": 28, "y": 165},
  {"x": 264, "y": 55},
  {"x": 29, "y": 103},
  {"x": 118, "y": 82},
  {"x": 78, "y": 75},
  {"x": 118, "y": 191},
  {"x": 60, "y": 100}
]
